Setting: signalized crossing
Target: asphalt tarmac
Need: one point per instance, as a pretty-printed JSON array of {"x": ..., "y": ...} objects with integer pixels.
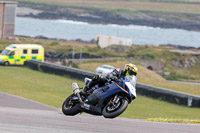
[{"x": 22, "y": 117}]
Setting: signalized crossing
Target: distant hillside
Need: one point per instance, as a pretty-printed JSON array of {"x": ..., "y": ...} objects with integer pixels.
[{"x": 182, "y": 14}]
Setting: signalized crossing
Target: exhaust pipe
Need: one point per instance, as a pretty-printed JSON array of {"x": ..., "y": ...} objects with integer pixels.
[{"x": 76, "y": 91}]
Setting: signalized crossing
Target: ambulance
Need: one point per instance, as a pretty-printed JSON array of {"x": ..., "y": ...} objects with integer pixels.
[{"x": 17, "y": 54}]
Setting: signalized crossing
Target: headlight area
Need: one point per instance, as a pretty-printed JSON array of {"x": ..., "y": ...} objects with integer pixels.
[{"x": 1, "y": 61}]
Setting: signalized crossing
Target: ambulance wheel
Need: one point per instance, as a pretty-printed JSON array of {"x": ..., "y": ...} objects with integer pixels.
[{"x": 6, "y": 63}]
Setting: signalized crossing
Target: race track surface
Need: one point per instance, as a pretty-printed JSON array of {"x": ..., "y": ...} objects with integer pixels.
[
  {"x": 7, "y": 100},
  {"x": 21, "y": 120}
]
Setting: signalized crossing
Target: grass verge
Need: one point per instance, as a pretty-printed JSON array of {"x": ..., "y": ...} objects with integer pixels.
[{"x": 174, "y": 120}]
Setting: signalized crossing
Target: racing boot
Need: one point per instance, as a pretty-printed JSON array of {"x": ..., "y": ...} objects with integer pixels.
[
  {"x": 88, "y": 87},
  {"x": 84, "y": 90},
  {"x": 95, "y": 80}
]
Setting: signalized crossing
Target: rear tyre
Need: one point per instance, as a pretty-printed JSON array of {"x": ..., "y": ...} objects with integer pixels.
[
  {"x": 70, "y": 107},
  {"x": 6, "y": 63},
  {"x": 112, "y": 111}
]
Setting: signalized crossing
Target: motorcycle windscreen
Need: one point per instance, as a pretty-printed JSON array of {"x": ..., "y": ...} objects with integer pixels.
[{"x": 131, "y": 88}]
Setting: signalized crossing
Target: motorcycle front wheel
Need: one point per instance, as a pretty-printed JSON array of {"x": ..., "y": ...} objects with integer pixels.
[
  {"x": 113, "y": 110},
  {"x": 70, "y": 107}
]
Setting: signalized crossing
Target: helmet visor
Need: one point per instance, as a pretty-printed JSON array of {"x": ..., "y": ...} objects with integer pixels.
[{"x": 131, "y": 72}]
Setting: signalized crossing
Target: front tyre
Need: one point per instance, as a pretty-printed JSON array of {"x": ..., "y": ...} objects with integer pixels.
[
  {"x": 6, "y": 63},
  {"x": 113, "y": 110},
  {"x": 70, "y": 107}
]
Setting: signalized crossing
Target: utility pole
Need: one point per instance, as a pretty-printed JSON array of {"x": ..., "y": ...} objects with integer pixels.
[
  {"x": 189, "y": 74},
  {"x": 80, "y": 56},
  {"x": 72, "y": 56},
  {"x": 117, "y": 31}
]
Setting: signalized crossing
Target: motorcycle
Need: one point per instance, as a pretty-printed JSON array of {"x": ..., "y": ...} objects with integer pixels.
[{"x": 110, "y": 100}]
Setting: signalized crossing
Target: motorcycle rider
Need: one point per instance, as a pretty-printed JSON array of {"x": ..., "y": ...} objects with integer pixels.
[
  {"x": 116, "y": 75},
  {"x": 108, "y": 95}
]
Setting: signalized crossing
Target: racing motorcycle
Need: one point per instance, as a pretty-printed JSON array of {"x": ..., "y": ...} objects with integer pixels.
[{"x": 110, "y": 100}]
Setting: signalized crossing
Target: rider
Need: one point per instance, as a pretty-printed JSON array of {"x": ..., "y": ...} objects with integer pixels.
[{"x": 115, "y": 75}]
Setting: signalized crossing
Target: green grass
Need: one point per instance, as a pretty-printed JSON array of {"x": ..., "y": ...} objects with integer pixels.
[
  {"x": 52, "y": 90},
  {"x": 54, "y": 43},
  {"x": 42, "y": 87}
]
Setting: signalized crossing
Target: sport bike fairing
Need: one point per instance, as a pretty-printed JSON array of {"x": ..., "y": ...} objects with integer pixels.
[{"x": 127, "y": 86}]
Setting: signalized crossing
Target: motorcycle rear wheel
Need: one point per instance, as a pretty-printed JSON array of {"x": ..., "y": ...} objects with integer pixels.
[
  {"x": 69, "y": 107},
  {"x": 109, "y": 111}
]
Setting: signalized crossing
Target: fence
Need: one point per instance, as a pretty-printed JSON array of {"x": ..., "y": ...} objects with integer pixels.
[{"x": 147, "y": 90}]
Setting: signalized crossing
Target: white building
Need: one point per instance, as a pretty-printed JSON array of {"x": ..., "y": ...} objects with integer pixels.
[{"x": 105, "y": 41}]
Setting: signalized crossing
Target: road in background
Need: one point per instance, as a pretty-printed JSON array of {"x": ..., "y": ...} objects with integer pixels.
[
  {"x": 182, "y": 82},
  {"x": 15, "y": 120}
]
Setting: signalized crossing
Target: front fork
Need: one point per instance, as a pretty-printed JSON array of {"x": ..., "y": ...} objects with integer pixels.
[{"x": 115, "y": 100}]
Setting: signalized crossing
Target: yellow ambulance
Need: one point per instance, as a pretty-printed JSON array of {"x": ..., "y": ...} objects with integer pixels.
[{"x": 16, "y": 54}]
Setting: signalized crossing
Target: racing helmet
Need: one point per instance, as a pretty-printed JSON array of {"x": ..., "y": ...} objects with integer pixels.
[{"x": 131, "y": 69}]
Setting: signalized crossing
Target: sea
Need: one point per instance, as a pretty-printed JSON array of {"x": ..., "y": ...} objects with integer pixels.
[{"x": 72, "y": 30}]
